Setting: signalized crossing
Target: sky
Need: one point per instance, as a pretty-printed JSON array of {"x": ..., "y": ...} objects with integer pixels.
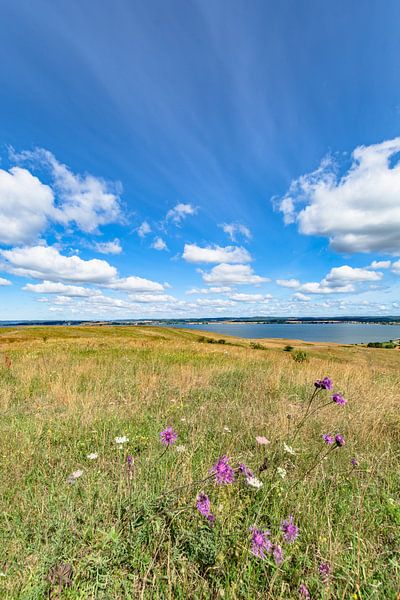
[{"x": 199, "y": 158}]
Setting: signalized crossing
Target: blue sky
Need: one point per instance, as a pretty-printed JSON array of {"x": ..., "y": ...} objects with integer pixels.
[{"x": 199, "y": 158}]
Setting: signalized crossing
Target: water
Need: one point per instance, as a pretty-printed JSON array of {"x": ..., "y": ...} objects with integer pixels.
[{"x": 340, "y": 333}]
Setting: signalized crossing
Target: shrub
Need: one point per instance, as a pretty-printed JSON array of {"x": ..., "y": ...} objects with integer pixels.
[
  {"x": 257, "y": 346},
  {"x": 300, "y": 356},
  {"x": 288, "y": 348}
]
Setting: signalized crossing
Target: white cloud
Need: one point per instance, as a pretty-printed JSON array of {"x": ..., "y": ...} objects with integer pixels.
[
  {"x": 224, "y": 289},
  {"x": 26, "y": 205},
  {"x": 159, "y": 244},
  {"x": 396, "y": 267},
  {"x": 339, "y": 280},
  {"x": 233, "y": 229},
  {"x": 135, "y": 284},
  {"x": 108, "y": 247},
  {"x": 180, "y": 212},
  {"x": 215, "y": 254},
  {"x": 144, "y": 229},
  {"x": 149, "y": 298},
  {"x": 45, "y": 262},
  {"x": 53, "y": 287},
  {"x": 4, "y": 281},
  {"x": 301, "y": 297},
  {"x": 250, "y": 297},
  {"x": 288, "y": 283},
  {"x": 380, "y": 264},
  {"x": 232, "y": 275},
  {"x": 359, "y": 211},
  {"x": 85, "y": 200}
]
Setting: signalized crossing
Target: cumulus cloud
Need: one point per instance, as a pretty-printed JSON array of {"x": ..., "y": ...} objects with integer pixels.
[
  {"x": 288, "y": 283},
  {"x": 85, "y": 200},
  {"x": 215, "y": 254},
  {"x": 301, "y": 297},
  {"x": 339, "y": 280},
  {"x": 380, "y": 264},
  {"x": 143, "y": 229},
  {"x": 46, "y": 262},
  {"x": 26, "y": 205},
  {"x": 396, "y": 267},
  {"x": 159, "y": 244},
  {"x": 151, "y": 298},
  {"x": 232, "y": 230},
  {"x": 210, "y": 290},
  {"x": 232, "y": 275},
  {"x": 135, "y": 284},
  {"x": 108, "y": 247},
  {"x": 53, "y": 287},
  {"x": 180, "y": 212},
  {"x": 250, "y": 297},
  {"x": 358, "y": 211},
  {"x": 5, "y": 281}
]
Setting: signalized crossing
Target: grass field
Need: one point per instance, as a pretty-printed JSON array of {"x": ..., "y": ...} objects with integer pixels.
[{"x": 121, "y": 531}]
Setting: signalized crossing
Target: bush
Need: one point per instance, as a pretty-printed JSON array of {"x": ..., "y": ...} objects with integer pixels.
[
  {"x": 389, "y": 345},
  {"x": 288, "y": 348},
  {"x": 300, "y": 356},
  {"x": 257, "y": 346}
]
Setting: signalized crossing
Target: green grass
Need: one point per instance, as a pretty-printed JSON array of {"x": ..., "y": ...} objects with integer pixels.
[{"x": 73, "y": 392}]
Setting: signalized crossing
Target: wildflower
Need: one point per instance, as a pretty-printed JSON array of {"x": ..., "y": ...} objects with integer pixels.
[
  {"x": 328, "y": 439},
  {"x": 246, "y": 471},
  {"x": 222, "y": 470},
  {"x": 203, "y": 504},
  {"x": 168, "y": 436},
  {"x": 304, "y": 592},
  {"x": 227, "y": 430},
  {"x": 121, "y": 440},
  {"x": 340, "y": 441},
  {"x": 260, "y": 544},
  {"x": 354, "y": 462},
  {"x": 338, "y": 399},
  {"x": 74, "y": 476},
  {"x": 281, "y": 472},
  {"x": 288, "y": 449},
  {"x": 180, "y": 448},
  {"x": 324, "y": 384},
  {"x": 277, "y": 554},
  {"x": 260, "y": 439},
  {"x": 324, "y": 570},
  {"x": 254, "y": 482},
  {"x": 129, "y": 461},
  {"x": 290, "y": 530},
  {"x": 92, "y": 456}
]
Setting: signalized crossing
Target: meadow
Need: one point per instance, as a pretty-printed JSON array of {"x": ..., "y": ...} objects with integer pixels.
[{"x": 96, "y": 504}]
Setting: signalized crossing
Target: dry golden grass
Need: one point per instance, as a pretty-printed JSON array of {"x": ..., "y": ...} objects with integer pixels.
[{"x": 70, "y": 391}]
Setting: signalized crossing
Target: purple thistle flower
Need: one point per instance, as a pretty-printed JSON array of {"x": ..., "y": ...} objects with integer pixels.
[
  {"x": 168, "y": 436},
  {"x": 260, "y": 544},
  {"x": 324, "y": 570},
  {"x": 223, "y": 472},
  {"x": 203, "y": 504},
  {"x": 354, "y": 462},
  {"x": 338, "y": 399},
  {"x": 129, "y": 460},
  {"x": 290, "y": 530},
  {"x": 277, "y": 554},
  {"x": 248, "y": 473},
  {"x": 211, "y": 519},
  {"x": 304, "y": 592},
  {"x": 324, "y": 384},
  {"x": 328, "y": 439},
  {"x": 340, "y": 441}
]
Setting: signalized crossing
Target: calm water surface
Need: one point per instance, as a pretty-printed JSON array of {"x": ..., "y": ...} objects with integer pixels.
[{"x": 341, "y": 333}]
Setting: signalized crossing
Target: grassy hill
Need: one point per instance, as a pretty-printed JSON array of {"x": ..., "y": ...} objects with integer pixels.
[{"x": 127, "y": 528}]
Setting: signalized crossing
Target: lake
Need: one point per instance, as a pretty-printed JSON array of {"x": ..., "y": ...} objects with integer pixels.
[{"x": 340, "y": 333}]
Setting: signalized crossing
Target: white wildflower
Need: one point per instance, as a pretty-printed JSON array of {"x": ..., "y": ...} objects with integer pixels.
[
  {"x": 92, "y": 456},
  {"x": 181, "y": 448},
  {"x": 227, "y": 430},
  {"x": 288, "y": 449},
  {"x": 254, "y": 482},
  {"x": 74, "y": 476},
  {"x": 281, "y": 472},
  {"x": 121, "y": 440}
]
